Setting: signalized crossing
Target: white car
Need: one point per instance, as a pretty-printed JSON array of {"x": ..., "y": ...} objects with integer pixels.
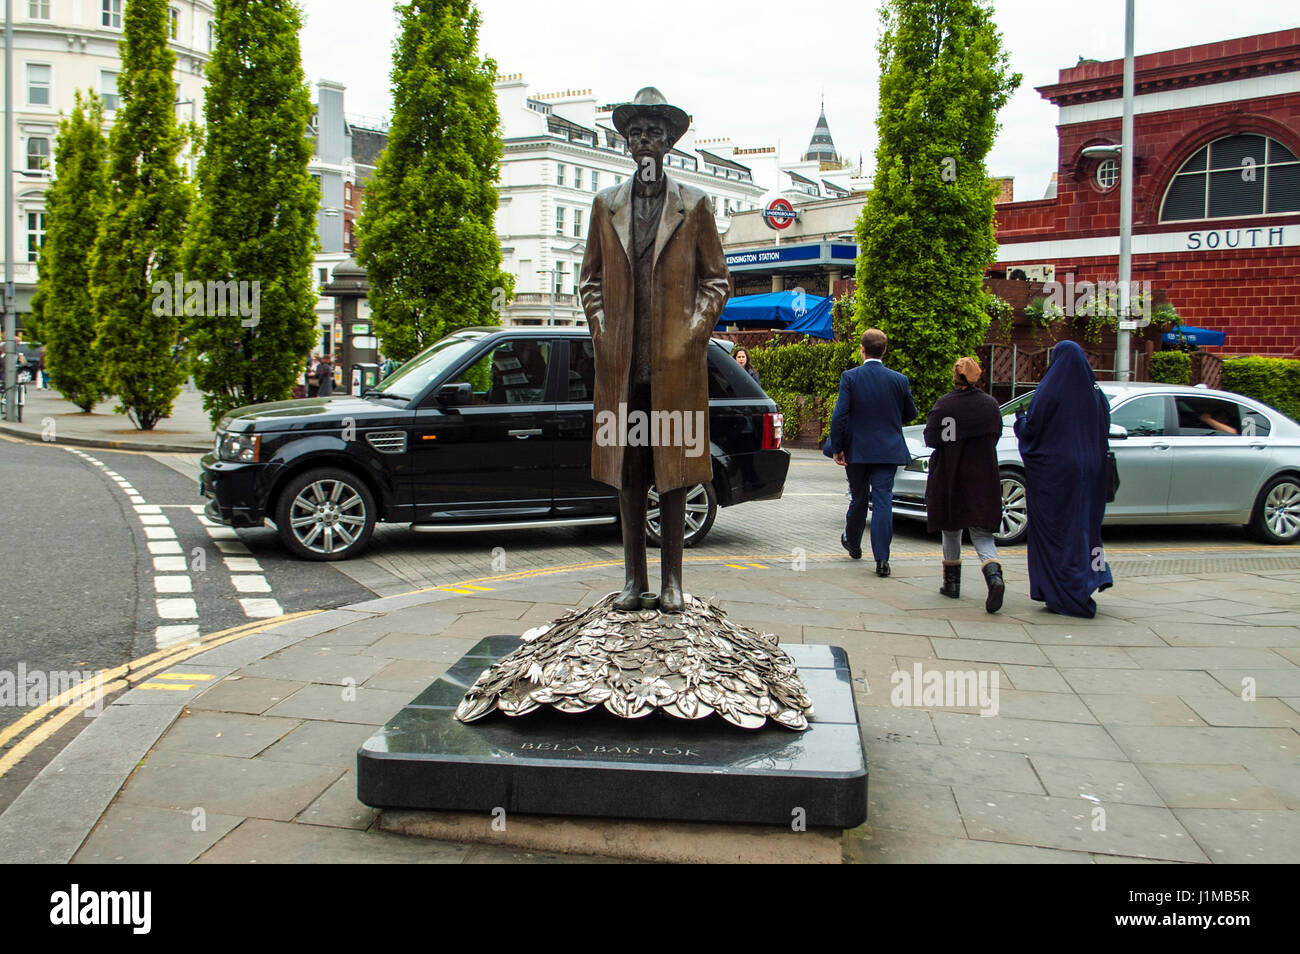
[{"x": 1186, "y": 455}]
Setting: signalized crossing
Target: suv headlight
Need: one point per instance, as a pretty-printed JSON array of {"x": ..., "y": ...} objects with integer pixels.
[
  {"x": 920, "y": 465},
  {"x": 240, "y": 448}
]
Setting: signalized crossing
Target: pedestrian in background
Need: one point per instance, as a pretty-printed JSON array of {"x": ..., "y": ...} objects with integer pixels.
[
  {"x": 1064, "y": 441},
  {"x": 742, "y": 358},
  {"x": 313, "y": 375},
  {"x": 867, "y": 440},
  {"x": 963, "y": 489},
  {"x": 324, "y": 377}
]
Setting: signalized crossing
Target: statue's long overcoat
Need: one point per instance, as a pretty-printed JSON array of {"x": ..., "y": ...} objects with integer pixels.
[{"x": 688, "y": 290}]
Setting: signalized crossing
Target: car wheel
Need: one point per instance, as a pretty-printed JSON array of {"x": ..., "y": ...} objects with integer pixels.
[
  {"x": 325, "y": 514},
  {"x": 1014, "y": 526},
  {"x": 701, "y": 509},
  {"x": 1277, "y": 513}
]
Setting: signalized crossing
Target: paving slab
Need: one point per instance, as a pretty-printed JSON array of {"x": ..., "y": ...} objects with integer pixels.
[
  {"x": 1117, "y": 709},
  {"x": 1045, "y": 706},
  {"x": 988, "y": 650},
  {"x": 1229, "y": 709},
  {"x": 252, "y": 788},
  {"x": 1025, "y": 735},
  {"x": 885, "y": 846},
  {"x": 239, "y": 693},
  {"x": 49, "y": 820},
  {"x": 1104, "y": 780},
  {"x": 321, "y": 743},
  {"x": 1210, "y": 746},
  {"x": 260, "y": 841},
  {"x": 323, "y": 664},
  {"x": 348, "y": 704},
  {"x": 1210, "y": 786},
  {"x": 237, "y": 735},
  {"x": 1035, "y": 678},
  {"x": 951, "y": 765},
  {"x": 913, "y": 806},
  {"x": 338, "y": 807},
  {"x": 1265, "y": 682},
  {"x": 1244, "y": 837},
  {"x": 1142, "y": 831},
  {"x": 1133, "y": 682},
  {"x": 142, "y": 834},
  {"x": 1210, "y": 657}
]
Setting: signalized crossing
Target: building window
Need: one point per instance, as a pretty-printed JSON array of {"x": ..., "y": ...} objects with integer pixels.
[
  {"x": 577, "y": 177},
  {"x": 38, "y": 9},
  {"x": 577, "y": 223},
  {"x": 595, "y": 181},
  {"x": 560, "y": 272},
  {"x": 323, "y": 274},
  {"x": 559, "y": 173},
  {"x": 35, "y": 235},
  {"x": 112, "y": 14},
  {"x": 347, "y": 192},
  {"x": 108, "y": 90},
  {"x": 1234, "y": 176},
  {"x": 559, "y": 220},
  {"x": 38, "y": 154},
  {"x": 618, "y": 180},
  {"x": 174, "y": 23},
  {"x": 212, "y": 35},
  {"x": 1107, "y": 173},
  {"x": 38, "y": 84}
]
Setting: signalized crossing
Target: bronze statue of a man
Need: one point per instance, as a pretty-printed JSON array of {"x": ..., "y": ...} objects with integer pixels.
[{"x": 654, "y": 281}]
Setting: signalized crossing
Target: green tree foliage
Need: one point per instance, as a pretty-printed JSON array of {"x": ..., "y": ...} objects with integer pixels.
[
  {"x": 254, "y": 223},
  {"x": 1171, "y": 367},
  {"x": 74, "y": 204},
  {"x": 1271, "y": 381},
  {"x": 139, "y": 241},
  {"x": 426, "y": 232},
  {"x": 804, "y": 379},
  {"x": 926, "y": 233}
]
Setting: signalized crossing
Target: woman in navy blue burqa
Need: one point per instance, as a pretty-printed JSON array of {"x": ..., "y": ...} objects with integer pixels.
[{"x": 1063, "y": 442}]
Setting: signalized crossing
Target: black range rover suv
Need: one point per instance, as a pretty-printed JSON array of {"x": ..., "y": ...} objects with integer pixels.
[{"x": 489, "y": 429}]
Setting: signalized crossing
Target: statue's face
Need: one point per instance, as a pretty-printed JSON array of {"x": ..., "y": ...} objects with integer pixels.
[{"x": 647, "y": 138}]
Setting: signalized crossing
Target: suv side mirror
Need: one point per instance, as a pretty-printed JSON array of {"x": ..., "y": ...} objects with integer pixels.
[
  {"x": 456, "y": 395},
  {"x": 1118, "y": 433}
]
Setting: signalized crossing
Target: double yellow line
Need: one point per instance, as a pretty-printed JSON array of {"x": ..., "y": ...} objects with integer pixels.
[{"x": 45, "y": 720}]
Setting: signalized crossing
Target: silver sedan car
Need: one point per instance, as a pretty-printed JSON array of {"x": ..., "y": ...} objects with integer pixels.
[{"x": 1185, "y": 455}]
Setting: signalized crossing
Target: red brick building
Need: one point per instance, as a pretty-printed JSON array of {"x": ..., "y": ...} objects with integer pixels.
[{"x": 1216, "y": 198}]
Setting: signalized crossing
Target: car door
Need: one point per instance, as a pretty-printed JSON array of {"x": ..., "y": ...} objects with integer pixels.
[
  {"x": 1143, "y": 458},
  {"x": 575, "y": 491},
  {"x": 491, "y": 458},
  {"x": 1220, "y": 453}
]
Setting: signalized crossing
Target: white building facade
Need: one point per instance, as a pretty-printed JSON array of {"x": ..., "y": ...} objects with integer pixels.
[{"x": 59, "y": 47}]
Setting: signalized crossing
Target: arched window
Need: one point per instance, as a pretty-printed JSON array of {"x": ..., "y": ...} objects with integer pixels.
[{"x": 1240, "y": 175}]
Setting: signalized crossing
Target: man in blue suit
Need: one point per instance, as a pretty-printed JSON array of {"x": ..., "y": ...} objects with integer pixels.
[{"x": 867, "y": 439}]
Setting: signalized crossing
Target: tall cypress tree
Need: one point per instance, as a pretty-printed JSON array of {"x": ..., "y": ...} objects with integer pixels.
[
  {"x": 426, "y": 232},
  {"x": 255, "y": 219},
  {"x": 139, "y": 242},
  {"x": 74, "y": 204},
  {"x": 926, "y": 233}
]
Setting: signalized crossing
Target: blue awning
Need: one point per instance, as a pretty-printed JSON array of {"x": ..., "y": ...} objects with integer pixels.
[
  {"x": 1196, "y": 336},
  {"x": 785, "y": 310}
]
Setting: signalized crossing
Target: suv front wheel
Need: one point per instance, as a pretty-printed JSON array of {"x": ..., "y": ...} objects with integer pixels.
[
  {"x": 701, "y": 509},
  {"x": 325, "y": 514}
]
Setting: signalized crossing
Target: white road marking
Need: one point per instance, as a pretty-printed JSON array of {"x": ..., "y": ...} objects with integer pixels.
[
  {"x": 147, "y": 508},
  {"x": 177, "y": 608},
  {"x": 233, "y": 546},
  {"x": 160, "y": 533},
  {"x": 250, "y": 584},
  {"x": 173, "y": 584},
  {"x": 169, "y": 564},
  {"x": 222, "y": 533},
  {"x": 164, "y": 546},
  {"x": 165, "y": 636},
  {"x": 242, "y": 565},
  {"x": 261, "y": 608},
  {"x": 153, "y": 520}
]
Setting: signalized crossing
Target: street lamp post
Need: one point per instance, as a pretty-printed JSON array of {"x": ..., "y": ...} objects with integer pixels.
[
  {"x": 10, "y": 320},
  {"x": 1126, "y": 206}
]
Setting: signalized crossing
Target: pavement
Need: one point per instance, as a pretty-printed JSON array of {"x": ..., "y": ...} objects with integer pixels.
[
  {"x": 1163, "y": 730},
  {"x": 1121, "y": 738},
  {"x": 48, "y": 417}
]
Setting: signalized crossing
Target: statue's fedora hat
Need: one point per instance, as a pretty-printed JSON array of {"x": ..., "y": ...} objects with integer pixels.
[{"x": 650, "y": 100}]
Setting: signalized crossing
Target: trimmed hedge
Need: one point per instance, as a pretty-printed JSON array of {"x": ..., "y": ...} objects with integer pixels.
[
  {"x": 806, "y": 371},
  {"x": 1171, "y": 367},
  {"x": 1272, "y": 381}
]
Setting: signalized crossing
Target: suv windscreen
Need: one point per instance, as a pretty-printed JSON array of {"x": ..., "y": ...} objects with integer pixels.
[{"x": 414, "y": 376}]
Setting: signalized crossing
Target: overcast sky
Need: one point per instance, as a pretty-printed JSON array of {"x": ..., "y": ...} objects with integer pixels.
[{"x": 755, "y": 71}]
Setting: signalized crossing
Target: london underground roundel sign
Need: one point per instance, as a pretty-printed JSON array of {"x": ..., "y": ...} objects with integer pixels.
[{"x": 779, "y": 214}]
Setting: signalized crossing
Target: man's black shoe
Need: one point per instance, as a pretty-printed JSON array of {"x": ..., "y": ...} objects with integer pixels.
[
  {"x": 854, "y": 552},
  {"x": 882, "y": 568}
]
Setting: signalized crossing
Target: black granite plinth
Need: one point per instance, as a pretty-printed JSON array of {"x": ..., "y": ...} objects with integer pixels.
[{"x": 596, "y": 764}]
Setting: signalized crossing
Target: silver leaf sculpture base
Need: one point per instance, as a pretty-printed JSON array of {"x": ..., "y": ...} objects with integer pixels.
[{"x": 689, "y": 665}]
